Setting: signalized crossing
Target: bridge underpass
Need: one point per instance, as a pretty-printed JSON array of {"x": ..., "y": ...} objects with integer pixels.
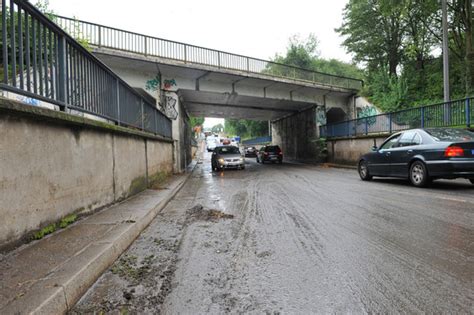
[
  {"x": 187, "y": 80},
  {"x": 290, "y": 106}
]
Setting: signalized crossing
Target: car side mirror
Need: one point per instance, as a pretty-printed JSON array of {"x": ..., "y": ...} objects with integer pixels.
[{"x": 375, "y": 148}]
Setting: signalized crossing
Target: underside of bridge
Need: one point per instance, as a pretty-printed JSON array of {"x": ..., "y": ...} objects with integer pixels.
[
  {"x": 295, "y": 108},
  {"x": 226, "y": 93}
]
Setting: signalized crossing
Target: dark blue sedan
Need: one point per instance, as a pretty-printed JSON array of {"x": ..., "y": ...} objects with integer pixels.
[{"x": 422, "y": 155}]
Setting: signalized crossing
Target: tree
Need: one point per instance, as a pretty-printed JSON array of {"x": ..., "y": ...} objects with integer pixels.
[
  {"x": 374, "y": 32},
  {"x": 403, "y": 65},
  {"x": 217, "y": 128},
  {"x": 246, "y": 128},
  {"x": 196, "y": 121},
  {"x": 300, "y": 52}
]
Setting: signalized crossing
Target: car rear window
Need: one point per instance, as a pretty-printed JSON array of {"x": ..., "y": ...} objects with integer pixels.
[
  {"x": 449, "y": 134},
  {"x": 272, "y": 148},
  {"x": 228, "y": 150}
]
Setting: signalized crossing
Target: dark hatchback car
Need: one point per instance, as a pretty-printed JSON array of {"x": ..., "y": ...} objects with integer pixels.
[
  {"x": 270, "y": 153},
  {"x": 227, "y": 156},
  {"x": 250, "y": 152},
  {"x": 422, "y": 155}
]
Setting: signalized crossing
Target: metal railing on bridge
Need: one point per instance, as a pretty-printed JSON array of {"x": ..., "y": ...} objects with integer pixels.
[
  {"x": 40, "y": 60},
  {"x": 457, "y": 113},
  {"x": 109, "y": 37}
]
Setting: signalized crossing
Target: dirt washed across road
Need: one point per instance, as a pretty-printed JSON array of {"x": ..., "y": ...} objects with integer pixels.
[{"x": 295, "y": 239}]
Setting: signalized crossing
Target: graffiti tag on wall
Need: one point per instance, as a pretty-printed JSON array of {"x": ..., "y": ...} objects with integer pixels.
[
  {"x": 321, "y": 115},
  {"x": 168, "y": 84},
  {"x": 169, "y": 107},
  {"x": 28, "y": 100},
  {"x": 368, "y": 111},
  {"x": 154, "y": 83}
]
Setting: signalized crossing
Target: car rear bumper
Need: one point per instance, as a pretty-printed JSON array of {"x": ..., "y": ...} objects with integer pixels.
[
  {"x": 273, "y": 158},
  {"x": 451, "y": 168}
]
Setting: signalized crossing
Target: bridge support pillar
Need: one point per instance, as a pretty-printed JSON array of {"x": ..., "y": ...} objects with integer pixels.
[{"x": 297, "y": 135}]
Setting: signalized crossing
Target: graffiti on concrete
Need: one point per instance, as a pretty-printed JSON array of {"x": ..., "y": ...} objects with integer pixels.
[
  {"x": 168, "y": 84},
  {"x": 154, "y": 83},
  {"x": 321, "y": 115},
  {"x": 28, "y": 100},
  {"x": 368, "y": 112},
  {"x": 169, "y": 107}
]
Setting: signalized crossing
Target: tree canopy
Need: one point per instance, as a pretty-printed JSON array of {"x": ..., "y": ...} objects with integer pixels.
[
  {"x": 398, "y": 42},
  {"x": 246, "y": 128},
  {"x": 304, "y": 53}
]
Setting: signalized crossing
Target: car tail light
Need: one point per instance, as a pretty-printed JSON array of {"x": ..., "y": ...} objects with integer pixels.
[
  {"x": 453, "y": 151},
  {"x": 280, "y": 153},
  {"x": 265, "y": 153}
]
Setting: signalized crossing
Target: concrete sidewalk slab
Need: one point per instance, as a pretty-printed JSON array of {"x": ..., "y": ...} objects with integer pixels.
[{"x": 48, "y": 276}]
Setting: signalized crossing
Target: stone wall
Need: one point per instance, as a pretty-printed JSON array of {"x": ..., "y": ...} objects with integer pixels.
[{"x": 53, "y": 164}]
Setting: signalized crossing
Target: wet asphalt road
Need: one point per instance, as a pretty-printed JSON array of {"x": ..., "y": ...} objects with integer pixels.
[{"x": 303, "y": 239}]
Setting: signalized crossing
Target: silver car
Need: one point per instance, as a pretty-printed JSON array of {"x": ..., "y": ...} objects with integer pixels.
[{"x": 227, "y": 156}]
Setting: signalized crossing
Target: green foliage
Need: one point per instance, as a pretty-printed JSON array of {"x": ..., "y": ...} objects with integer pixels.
[
  {"x": 304, "y": 53},
  {"x": 389, "y": 92},
  {"x": 45, "y": 231},
  {"x": 53, "y": 227},
  {"x": 217, "y": 128},
  {"x": 43, "y": 6},
  {"x": 246, "y": 128},
  {"x": 79, "y": 36},
  {"x": 196, "y": 121},
  {"x": 67, "y": 221},
  {"x": 399, "y": 43}
]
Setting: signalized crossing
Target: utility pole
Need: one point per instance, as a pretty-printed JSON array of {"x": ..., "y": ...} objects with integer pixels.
[
  {"x": 446, "y": 107},
  {"x": 445, "y": 50}
]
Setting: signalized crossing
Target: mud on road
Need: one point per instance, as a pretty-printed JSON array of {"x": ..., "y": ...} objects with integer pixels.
[{"x": 295, "y": 239}]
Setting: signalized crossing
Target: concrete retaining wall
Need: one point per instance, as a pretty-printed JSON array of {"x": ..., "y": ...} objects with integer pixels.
[
  {"x": 348, "y": 151},
  {"x": 53, "y": 166}
]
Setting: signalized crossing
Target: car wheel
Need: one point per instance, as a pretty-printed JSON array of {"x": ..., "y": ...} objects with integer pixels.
[
  {"x": 419, "y": 174},
  {"x": 364, "y": 171}
]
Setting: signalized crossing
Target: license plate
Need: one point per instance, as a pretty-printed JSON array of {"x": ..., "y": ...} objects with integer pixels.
[{"x": 273, "y": 158}]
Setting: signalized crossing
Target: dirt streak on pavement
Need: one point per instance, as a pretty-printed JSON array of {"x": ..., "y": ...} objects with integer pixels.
[{"x": 298, "y": 239}]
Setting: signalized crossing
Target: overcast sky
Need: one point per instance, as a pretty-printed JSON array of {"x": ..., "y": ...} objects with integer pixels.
[{"x": 256, "y": 28}]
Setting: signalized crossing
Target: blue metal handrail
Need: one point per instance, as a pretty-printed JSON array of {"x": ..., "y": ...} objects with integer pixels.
[
  {"x": 40, "y": 60},
  {"x": 455, "y": 113},
  {"x": 118, "y": 39},
  {"x": 258, "y": 140}
]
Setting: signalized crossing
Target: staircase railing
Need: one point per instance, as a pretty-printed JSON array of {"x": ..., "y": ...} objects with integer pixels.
[{"x": 40, "y": 60}]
